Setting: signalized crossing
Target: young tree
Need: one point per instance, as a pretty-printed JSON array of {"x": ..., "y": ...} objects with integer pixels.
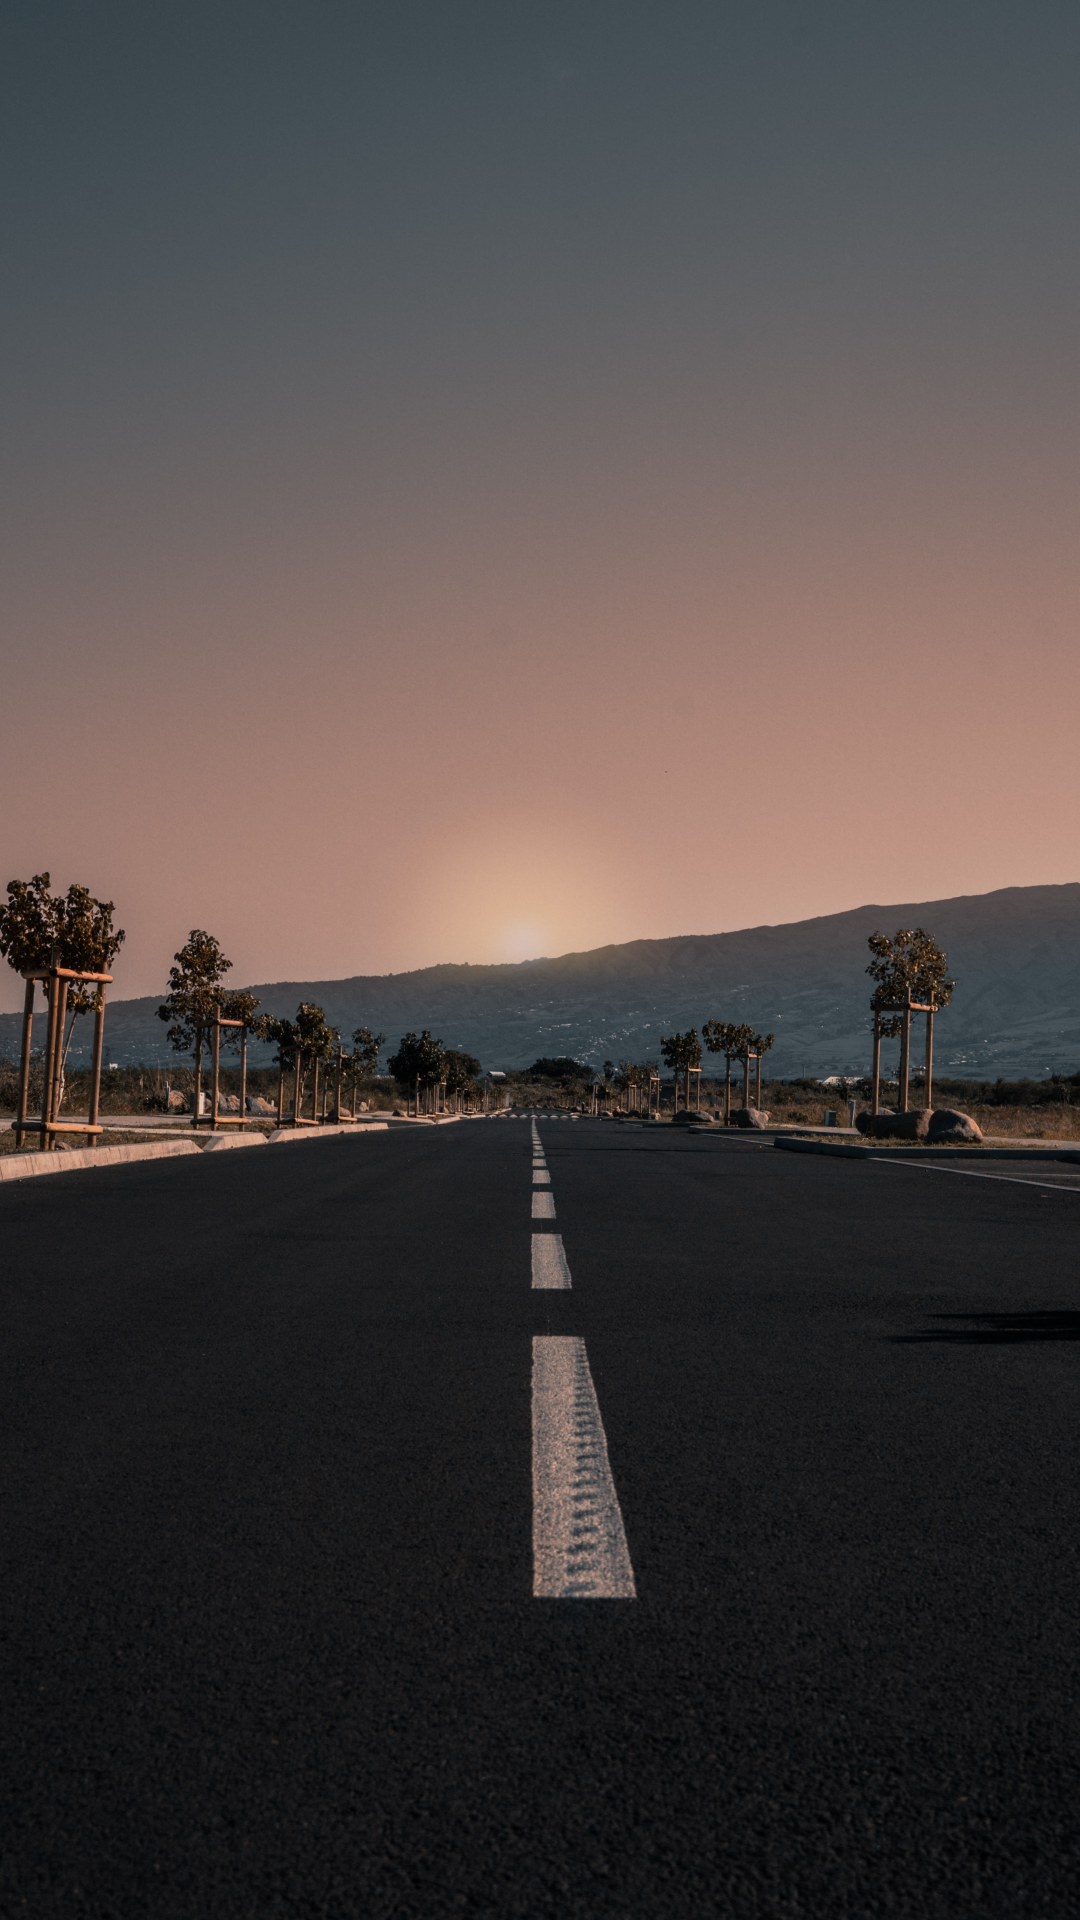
[
  {"x": 283, "y": 1035},
  {"x": 366, "y": 1046},
  {"x": 417, "y": 1063},
  {"x": 681, "y": 1052},
  {"x": 910, "y": 970},
  {"x": 316, "y": 1041},
  {"x": 41, "y": 929},
  {"x": 194, "y": 998},
  {"x": 461, "y": 1071},
  {"x": 728, "y": 1038}
]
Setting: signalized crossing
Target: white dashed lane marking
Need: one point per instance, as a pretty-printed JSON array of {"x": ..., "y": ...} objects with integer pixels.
[
  {"x": 541, "y": 1177},
  {"x": 579, "y": 1542},
  {"x": 543, "y": 1206},
  {"x": 549, "y": 1268}
]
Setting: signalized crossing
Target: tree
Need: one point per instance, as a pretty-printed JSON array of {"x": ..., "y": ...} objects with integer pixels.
[
  {"x": 365, "y": 1057},
  {"x": 910, "y": 970},
  {"x": 417, "y": 1063},
  {"x": 732, "y": 1039},
  {"x": 39, "y": 928},
  {"x": 461, "y": 1072},
  {"x": 316, "y": 1042},
  {"x": 194, "y": 998},
  {"x": 556, "y": 1067},
  {"x": 681, "y": 1052},
  {"x": 283, "y": 1035}
]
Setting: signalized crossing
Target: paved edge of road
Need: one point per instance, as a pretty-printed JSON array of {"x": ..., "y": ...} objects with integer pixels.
[
  {"x": 27, "y": 1166},
  {"x": 839, "y": 1149}
]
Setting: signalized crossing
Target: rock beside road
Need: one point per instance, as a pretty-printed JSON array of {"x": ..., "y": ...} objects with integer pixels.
[
  {"x": 934, "y": 1125},
  {"x": 749, "y": 1117},
  {"x": 947, "y": 1124}
]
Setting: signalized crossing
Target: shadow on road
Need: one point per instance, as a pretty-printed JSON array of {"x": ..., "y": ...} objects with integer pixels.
[{"x": 1000, "y": 1329}]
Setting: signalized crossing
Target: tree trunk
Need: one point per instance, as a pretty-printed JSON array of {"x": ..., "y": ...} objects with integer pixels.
[
  {"x": 875, "y": 1072},
  {"x": 905, "y": 1061},
  {"x": 930, "y": 1058}
]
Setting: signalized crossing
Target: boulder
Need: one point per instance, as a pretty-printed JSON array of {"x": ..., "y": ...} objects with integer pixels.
[
  {"x": 177, "y": 1101},
  {"x": 684, "y": 1119},
  {"x": 946, "y": 1124},
  {"x": 749, "y": 1117},
  {"x": 256, "y": 1104}
]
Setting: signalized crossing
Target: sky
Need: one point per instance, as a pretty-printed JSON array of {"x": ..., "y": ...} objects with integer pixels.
[{"x": 483, "y": 481}]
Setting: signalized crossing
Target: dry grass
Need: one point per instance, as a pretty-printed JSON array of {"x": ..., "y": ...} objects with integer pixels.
[{"x": 114, "y": 1137}]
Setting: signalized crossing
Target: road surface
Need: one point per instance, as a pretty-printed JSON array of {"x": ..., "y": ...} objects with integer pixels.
[{"x": 380, "y": 1543}]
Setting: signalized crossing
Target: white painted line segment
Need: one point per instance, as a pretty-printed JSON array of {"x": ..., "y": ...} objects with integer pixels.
[
  {"x": 541, "y": 1177},
  {"x": 970, "y": 1173},
  {"x": 579, "y": 1542},
  {"x": 549, "y": 1269},
  {"x": 543, "y": 1206}
]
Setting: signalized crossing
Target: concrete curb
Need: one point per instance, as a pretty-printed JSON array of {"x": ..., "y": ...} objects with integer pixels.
[
  {"x": 282, "y": 1134},
  {"x": 881, "y": 1151},
  {"x": 217, "y": 1142},
  {"x": 24, "y": 1166}
]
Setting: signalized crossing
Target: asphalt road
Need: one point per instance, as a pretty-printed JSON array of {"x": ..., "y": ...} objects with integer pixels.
[{"x": 270, "y": 1636}]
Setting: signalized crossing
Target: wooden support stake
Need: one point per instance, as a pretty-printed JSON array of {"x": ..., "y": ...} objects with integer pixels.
[
  {"x": 50, "y": 1059},
  {"x": 24, "y": 1064},
  {"x": 929, "y": 1056},
  {"x": 99, "y": 1047},
  {"x": 215, "y": 1075}
]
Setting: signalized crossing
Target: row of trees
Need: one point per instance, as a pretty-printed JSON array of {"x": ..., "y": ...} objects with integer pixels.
[
  {"x": 737, "y": 1041},
  {"x": 75, "y": 932}
]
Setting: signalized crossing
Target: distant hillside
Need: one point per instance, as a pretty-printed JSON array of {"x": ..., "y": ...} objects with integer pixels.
[{"x": 1015, "y": 955}]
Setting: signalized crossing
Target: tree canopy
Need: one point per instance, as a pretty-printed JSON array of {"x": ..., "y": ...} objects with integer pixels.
[
  {"x": 729, "y": 1037},
  {"x": 366, "y": 1046},
  {"x": 38, "y": 928},
  {"x": 681, "y": 1050},
  {"x": 419, "y": 1058},
  {"x": 195, "y": 995},
  {"x": 556, "y": 1067},
  {"x": 908, "y": 966}
]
